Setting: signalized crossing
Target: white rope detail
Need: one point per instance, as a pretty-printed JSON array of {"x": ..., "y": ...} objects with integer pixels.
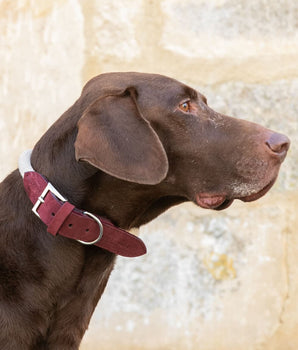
[{"x": 25, "y": 163}]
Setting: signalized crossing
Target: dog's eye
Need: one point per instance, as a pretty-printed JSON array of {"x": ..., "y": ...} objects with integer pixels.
[{"x": 185, "y": 106}]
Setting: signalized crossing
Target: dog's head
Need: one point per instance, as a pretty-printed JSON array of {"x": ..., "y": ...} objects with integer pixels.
[{"x": 150, "y": 129}]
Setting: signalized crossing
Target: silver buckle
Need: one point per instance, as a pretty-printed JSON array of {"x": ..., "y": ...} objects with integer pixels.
[
  {"x": 100, "y": 229},
  {"x": 49, "y": 188}
]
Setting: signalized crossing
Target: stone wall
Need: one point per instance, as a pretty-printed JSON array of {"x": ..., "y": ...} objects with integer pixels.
[{"x": 210, "y": 281}]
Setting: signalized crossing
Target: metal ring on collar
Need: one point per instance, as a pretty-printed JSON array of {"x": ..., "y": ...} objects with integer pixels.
[{"x": 100, "y": 229}]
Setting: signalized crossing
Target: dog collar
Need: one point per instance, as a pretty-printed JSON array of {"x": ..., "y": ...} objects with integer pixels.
[{"x": 61, "y": 217}]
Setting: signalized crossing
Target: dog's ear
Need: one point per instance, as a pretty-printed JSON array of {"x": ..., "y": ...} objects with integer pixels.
[{"x": 114, "y": 137}]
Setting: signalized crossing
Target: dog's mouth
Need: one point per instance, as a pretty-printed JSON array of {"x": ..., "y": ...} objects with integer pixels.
[
  {"x": 213, "y": 201},
  {"x": 222, "y": 201}
]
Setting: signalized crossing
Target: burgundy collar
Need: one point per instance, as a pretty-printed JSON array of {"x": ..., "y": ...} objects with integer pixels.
[{"x": 64, "y": 219}]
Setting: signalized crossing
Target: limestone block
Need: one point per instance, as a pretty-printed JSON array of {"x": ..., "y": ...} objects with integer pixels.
[
  {"x": 231, "y": 39},
  {"x": 40, "y": 71},
  {"x": 285, "y": 336},
  {"x": 200, "y": 41},
  {"x": 110, "y": 34},
  {"x": 222, "y": 23}
]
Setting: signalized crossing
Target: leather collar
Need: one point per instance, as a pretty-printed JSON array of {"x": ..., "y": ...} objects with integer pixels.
[{"x": 62, "y": 218}]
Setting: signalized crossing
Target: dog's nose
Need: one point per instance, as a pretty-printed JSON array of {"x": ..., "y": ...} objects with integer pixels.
[{"x": 278, "y": 143}]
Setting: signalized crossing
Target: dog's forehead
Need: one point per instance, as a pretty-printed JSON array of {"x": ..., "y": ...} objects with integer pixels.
[
  {"x": 145, "y": 83},
  {"x": 162, "y": 87}
]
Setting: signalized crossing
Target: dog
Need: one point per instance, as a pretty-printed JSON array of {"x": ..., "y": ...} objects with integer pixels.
[{"x": 132, "y": 146}]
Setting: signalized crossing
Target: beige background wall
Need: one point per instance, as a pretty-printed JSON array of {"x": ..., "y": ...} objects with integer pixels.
[{"x": 210, "y": 281}]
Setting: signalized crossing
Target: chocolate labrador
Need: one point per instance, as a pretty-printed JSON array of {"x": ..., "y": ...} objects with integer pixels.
[{"x": 132, "y": 146}]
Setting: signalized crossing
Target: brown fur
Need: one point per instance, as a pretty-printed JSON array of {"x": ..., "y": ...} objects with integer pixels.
[{"x": 125, "y": 150}]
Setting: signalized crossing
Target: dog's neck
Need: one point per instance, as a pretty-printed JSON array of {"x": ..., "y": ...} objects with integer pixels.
[
  {"x": 90, "y": 189},
  {"x": 128, "y": 205}
]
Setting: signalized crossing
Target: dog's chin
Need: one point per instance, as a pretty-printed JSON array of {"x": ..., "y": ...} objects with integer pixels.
[
  {"x": 223, "y": 201},
  {"x": 254, "y": 196}
]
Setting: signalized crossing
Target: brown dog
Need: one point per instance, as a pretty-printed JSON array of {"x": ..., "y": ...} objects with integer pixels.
[{"x": 131, "y": 146}]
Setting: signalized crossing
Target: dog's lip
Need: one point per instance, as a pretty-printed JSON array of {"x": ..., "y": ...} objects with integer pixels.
[
  {"x": 221, "y": 201},
  {"x": 259, "y": 194},
  {"x": 225, "y": 204}
]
